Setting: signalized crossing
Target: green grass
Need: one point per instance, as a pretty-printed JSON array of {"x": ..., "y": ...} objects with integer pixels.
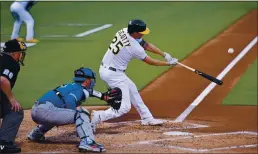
[
  {"x": 176, "y": 27},
  {"x": 245, "y": 91}
]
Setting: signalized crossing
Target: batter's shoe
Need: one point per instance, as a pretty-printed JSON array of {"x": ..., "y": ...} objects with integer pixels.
[
  {"x": 9, "y": 147},
  {"x": 36, "y": 135},
  {"x": 32, "y": 41},
  {"x": 152, "y": 122},
  {"x": 90, "y": 145},
  {"x": 95, "y": 120}
]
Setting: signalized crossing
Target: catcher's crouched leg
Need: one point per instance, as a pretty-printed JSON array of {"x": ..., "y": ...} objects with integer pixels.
[{"x": 84, "y": 131}]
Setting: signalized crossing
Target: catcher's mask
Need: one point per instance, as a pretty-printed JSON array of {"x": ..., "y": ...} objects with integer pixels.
[
  {"x": 13, "y": 46},
  {"x": 137, "y": 26},
  {"x": 81, "y": 74}
]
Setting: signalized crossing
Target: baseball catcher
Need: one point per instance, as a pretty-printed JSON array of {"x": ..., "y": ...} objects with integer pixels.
[{"x": 60, "y": 106}]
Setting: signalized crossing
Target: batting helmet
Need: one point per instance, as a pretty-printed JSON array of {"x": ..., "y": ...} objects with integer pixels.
[{"x": 137, "y": 26}]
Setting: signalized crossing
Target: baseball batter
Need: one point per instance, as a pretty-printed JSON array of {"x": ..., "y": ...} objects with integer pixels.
[
  {"x": 58, "y": 107},
  {"x": 127, "y": 45},
  {"x": 20, "y": 12}
]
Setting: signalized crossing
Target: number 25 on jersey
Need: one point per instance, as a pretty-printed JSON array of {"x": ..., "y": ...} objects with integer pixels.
[{"x": 115, "y": 45}]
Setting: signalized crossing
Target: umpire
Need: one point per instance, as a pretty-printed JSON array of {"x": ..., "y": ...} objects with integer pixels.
[{"x": 11, "y": 111}]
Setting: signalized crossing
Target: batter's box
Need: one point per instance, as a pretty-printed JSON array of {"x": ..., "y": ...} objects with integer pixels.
[
  {"x": 209, "y": 142},
  {"x": 132, "y": 126}
]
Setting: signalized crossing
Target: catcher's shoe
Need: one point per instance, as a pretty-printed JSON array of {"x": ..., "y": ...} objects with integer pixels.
[
  {"x": 152, "y": 122},
  {"x": 36, "y": 135},
  {"x": 90, "y": 145},
  {"x": 95, "y": 120}
]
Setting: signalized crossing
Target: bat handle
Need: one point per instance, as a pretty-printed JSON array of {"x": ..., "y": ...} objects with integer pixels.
[{"x": 186, "y": 66}]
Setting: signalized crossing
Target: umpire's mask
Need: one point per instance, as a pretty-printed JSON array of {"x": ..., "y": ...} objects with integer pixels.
[{"x": 14, "y": 45}]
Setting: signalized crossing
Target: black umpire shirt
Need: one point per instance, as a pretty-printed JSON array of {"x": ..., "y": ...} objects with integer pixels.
[{"x": 9, "y": 68}]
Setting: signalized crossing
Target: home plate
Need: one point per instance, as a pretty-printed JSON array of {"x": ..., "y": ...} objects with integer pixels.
[{"x": 177, "y": 133}]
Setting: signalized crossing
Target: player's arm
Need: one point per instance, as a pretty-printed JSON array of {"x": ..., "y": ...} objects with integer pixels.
[
  {"x": 99, "y": 95},
  {"x": 152, "y": 48},
  {"x": 140, "y": 54},
  {"x": 6, "y": 88},
  {"x": 155, "y": 62}
]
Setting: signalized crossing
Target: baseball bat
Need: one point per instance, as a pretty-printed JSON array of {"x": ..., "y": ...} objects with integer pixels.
[{"x": 209, "y": 77}]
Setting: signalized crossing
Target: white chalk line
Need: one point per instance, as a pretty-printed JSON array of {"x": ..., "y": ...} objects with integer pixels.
[
  {"x": 105, "y": 26},
  {"x": 169, "y": 121},
  {"x": 213, "y": 149},
  {"x": 54, "y": 36},
  {"x": 69, "y": 25},
  {"x": 93, "y": 30},
  {"x": 151, "y": 142},
  {"x": 207, "y": 90}
]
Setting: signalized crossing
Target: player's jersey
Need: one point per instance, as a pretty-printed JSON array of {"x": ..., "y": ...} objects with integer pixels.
[
  {"x": 122, "y": 50},
  {"x": 70, "y": 96},
  {"x": 26, "y": 4}
]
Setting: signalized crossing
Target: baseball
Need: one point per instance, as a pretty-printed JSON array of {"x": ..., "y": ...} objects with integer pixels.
[{"x": 230, "y": 50}]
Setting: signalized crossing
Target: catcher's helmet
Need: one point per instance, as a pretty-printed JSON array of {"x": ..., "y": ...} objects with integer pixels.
[
  {"x": 83, "y": 73},
  {"x": 137, "y": 26}
]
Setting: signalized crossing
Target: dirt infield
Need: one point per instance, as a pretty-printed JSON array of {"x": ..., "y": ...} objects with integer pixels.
[{"x": 211, "y": 127}]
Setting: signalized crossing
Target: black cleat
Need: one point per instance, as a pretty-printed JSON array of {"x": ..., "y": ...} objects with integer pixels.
[{"x": 9, "y": 147}]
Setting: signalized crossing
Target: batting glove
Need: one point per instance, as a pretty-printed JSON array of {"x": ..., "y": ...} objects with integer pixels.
[
  {"x": 168, "y": 57},
  {"x": 172, "y": 61}
]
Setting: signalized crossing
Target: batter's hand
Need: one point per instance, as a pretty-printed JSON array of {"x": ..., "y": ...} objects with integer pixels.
[
  {"x": 167, "y": 56},
  {"x": 172, "y": 61},
  {"x": 16, "y": 106}
]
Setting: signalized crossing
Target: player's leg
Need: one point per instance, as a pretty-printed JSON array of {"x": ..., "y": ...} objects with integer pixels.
[
  {"x": 113, "y": 79},
  {"x": 100, "y": 116},
  {"x": 85, "y": 132},
  {"x": 48, "y": 116},
  {"x": 142, "y": 109},
  {"x": 9, "y": 128},
  {"x": 28, "y": 19},
  {"x": 17, "y": 21},
  {"x": 38, "y": 133}
]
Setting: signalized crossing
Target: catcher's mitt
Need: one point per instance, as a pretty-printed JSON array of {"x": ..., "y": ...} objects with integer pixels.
[{"x": 113, "y": 97}]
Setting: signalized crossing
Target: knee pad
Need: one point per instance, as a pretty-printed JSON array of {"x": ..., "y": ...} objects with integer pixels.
[{"x": 83, "y": 126}]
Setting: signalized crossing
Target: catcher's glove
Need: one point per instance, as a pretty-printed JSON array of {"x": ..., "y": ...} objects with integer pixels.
[{"x": 113, "y": 97}]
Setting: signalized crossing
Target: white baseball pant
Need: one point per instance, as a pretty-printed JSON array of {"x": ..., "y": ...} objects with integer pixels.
[
  {"x": 21, "y": 15},
  {"x": 130, "y": 95}
]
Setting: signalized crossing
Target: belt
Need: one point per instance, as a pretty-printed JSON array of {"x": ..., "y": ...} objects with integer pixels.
[
  {"x": 112, "y": 68},
  {"x": 38, "y": 103}
]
